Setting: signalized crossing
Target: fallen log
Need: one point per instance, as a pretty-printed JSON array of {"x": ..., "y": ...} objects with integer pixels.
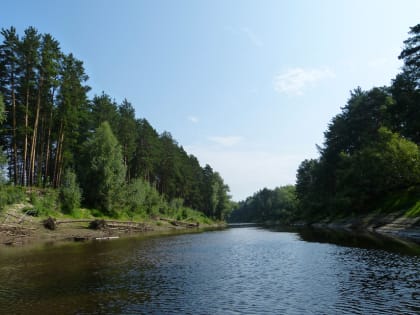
[
  {"x": 10, "y": 226},
  {"x": 74, "y": 221},
  {"x": 129, "y": 227},
  {"x": 20, "y": 219},
  {"x": 98, "y": 224},
  {"x": 181, "y": 223}
]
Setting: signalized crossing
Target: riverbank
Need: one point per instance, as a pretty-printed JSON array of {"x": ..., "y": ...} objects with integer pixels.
[
  {"x": 19, "y": 229},
  {"x": 394, "y": 224}
]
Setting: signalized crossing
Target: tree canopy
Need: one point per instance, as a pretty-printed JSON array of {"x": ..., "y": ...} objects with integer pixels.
[
  {"x": 371, "y": 148},
  {"x": 370, "y": 151},
  {"x": 53, "y": 130}
]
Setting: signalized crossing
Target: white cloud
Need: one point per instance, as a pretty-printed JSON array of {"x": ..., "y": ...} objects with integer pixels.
[
  {"x": 252, "y": 37},
  {"x": 246, "y": 172},
  {"x": 226, "y": 141},
  {"x": 295, "y": 80},
  {"x": 193, "y": 119}
]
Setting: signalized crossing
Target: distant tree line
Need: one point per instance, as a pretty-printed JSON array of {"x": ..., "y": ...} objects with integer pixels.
[
  {"x": 53, "y": 135},
  {"x": 371, "y": 150},
  {"x": 274, "y": 205}
]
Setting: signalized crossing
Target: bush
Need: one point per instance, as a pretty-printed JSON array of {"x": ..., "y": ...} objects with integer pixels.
[
  {"x": 70, "y": 193},
  {"x": 11, "y": 194},
  {"x": 136, "y": 194},
  {"x": 45, "y": 202}
]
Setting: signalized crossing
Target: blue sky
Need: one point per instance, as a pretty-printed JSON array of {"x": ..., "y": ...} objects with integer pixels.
[{"x": 247, "y": 86}]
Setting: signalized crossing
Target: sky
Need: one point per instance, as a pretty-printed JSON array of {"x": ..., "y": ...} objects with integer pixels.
[{"x": 248, "y": 87}]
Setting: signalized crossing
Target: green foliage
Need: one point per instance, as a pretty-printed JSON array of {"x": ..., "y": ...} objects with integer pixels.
[
  {"x": 278, "y": 205},
  {"x": 352, "y": 173},
  {"x": 190, "y": 215},
  {"x": 136, "y": 194},
  {"x": 307, "y": 186},
  {"x": 80, "y": 213},
  {"x": 70, "y": 193},
  {"x": 104, "y": 177},
  {"x": 371, "y": 158},
  {"x": 401, "y": 200},
  {"x": 126, "y": 133},
  {"x": 143, "y": 199},
  {"x": 103, "y": 108},
  {"x": 411, "y": 54},
  {"x": 414, "y": 211},
  {"x": 45, "y": 202},
  {"x": 11, "y": 194},
  {"x": 215, "y": 195},
  {"x": 52, "y": 126},
  {"x": 387, "y": 164},
  {"x": 2, "y": 110}
]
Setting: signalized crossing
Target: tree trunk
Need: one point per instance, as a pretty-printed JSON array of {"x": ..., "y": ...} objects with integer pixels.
[
  {"x": 41, "y": 150},
  {"x": 47, "y": 151},
  {"x": 25, "y": 146},
  {"x": 34, "y": 135},
  {"x": 14, "y": 154},
  {"x": 48, "y": 147},
  {"x": 58, "y": 157}
]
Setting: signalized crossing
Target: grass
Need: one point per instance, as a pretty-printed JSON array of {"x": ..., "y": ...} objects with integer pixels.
[
  {"x": 413, "y": 211},
  {"x": 407, "y": 201},
  {"x": 46, "y": 202},
  {"x": 10, "y": 195}
]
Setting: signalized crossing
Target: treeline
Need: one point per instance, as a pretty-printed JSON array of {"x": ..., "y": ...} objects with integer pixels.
[
  {"x": 276, "y": 205},
  {"x": 371, "y": 151},
  {"x": 53, "y": 135}
]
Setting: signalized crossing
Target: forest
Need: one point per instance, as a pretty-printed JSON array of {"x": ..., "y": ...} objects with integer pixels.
[
  {"x": 91, "y": 152},
  {"x": 369, "y": 161}
]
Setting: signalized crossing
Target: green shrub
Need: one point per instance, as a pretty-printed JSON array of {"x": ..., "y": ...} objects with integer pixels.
[
  {"x": 70, "y": 194},
  {"x": 136, "y": 194},
  {"x": 45, "y": 202},
  {"x": 10, "y": 195},
  {"x": 96, "y": 213}
]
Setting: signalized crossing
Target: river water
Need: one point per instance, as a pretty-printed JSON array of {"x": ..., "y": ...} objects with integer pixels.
[{"x": 246, "y": 270}]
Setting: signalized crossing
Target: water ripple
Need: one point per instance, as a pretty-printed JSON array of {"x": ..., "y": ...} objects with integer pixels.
[{"x": 236, "y": 271}]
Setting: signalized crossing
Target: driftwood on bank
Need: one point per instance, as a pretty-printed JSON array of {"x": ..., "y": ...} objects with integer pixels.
[
  {"x": 20, "y": 219},
  {"x": 128, "y": 226},
  {"x": 14, "y": 234},
  {"x": 99, "y": 224},
  {"x": 181, "y": 223},
  {"x": 12, "y": 228}
]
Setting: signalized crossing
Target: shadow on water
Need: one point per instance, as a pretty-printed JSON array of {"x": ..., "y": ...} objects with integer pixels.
[
  {"x": 242, "y": 225},
  {"x": 358, "y": 239}
]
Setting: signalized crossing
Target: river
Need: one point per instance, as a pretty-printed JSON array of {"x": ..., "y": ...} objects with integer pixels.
[{"x": 248, "y": 270}]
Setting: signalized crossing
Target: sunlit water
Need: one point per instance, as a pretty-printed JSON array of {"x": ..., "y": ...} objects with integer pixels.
[{"x": 234, "y": 271}]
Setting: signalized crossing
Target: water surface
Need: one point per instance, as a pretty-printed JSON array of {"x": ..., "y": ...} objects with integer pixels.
[{"x": 246, "y": 270}]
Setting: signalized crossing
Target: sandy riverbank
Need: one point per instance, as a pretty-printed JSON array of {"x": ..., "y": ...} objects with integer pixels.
[{"x": 17, "y": 229}]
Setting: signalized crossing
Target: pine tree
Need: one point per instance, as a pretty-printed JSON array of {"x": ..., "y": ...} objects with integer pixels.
[
  {"x": 72, "y": 103},
  {"x": 9, "y": 75},
  {"x": 126, "y": 134}
]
